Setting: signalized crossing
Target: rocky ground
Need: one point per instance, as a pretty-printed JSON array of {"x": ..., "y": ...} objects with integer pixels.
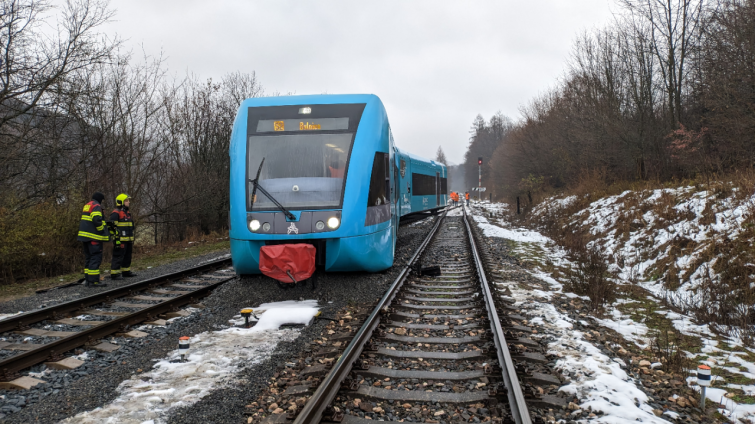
[
  {"x": 287, "y": 388},
  {"x": 96, "y": 383},
  {"x": 660, "y": 393},
  {"x": 653, "y": 389}
]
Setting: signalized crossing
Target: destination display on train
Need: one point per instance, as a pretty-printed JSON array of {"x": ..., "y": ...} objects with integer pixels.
[{"x": 318, "y": 124}]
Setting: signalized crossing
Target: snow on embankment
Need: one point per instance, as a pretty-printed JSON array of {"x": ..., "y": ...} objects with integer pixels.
[
  {"x": 668, "y": 240},
  {"x": 212, "y": 362},
  {"x": 597, "y": 380}
]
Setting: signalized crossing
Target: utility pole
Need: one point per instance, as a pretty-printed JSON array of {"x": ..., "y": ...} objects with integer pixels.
[{"x": 479, "y": 177}]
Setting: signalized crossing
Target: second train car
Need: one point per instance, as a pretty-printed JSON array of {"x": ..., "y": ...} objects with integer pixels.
[{"x": 328, "y": 175}]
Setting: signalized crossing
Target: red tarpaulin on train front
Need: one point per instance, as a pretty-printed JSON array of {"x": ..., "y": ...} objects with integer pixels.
[{"x": 298, "y": 259}]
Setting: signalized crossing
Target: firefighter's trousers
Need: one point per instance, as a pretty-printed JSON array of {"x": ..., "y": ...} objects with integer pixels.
[
  {"x": 121, "y": 258},
  {"x": 92, "y": 260}
]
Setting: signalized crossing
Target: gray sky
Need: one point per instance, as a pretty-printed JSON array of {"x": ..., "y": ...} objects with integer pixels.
[{"x": 435, "y": 64}]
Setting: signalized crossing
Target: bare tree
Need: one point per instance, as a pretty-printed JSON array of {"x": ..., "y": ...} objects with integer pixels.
[
  {"x": 37, "y": 73},
  {"x": 675, "y": 32}
]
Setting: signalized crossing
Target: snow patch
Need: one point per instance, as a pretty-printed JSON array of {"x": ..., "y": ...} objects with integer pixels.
[{"x": 215, "y": 357}]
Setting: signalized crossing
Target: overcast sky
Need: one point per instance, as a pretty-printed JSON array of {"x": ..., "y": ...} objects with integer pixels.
[{"x": 435, "y": 64}]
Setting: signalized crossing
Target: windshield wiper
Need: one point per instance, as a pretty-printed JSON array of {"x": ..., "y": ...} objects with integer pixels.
[{"x": 257, "y": 185}]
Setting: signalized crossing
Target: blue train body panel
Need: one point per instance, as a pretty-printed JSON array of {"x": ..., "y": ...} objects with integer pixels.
[{"x": 330, "y": 160}]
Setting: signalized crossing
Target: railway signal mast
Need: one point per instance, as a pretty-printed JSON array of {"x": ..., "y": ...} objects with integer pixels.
[{"x": 479, "y": 177}]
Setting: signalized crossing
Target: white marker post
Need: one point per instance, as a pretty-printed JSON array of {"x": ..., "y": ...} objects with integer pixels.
[
  {"x": 703, "y": 380},
  {"x": 183, "y": 347}
]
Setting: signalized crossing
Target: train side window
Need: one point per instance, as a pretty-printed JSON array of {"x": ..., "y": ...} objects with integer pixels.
[
  {"x": 424, "y": 185},
  {"x": 378, "y": 197},
  {"x": 379, "y": 181}
]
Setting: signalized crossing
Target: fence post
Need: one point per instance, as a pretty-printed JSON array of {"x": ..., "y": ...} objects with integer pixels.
[{"x": 518, "y": 211}]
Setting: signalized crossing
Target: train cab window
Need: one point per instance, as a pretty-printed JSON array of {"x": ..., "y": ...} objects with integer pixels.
[
  {"x": 301, "y": 170},
  {"x": 378, "y": 197},
  {"x": 306, "y": 155}
]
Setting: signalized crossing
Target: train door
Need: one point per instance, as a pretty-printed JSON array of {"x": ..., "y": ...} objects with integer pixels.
[
  {"x": 405, "y": 188},
  {"x": 437, "y": 189},
  {"x": 393, "y": 183}
]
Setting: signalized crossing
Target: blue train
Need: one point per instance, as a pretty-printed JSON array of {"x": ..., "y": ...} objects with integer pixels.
[{"x": 328, "y": 174}]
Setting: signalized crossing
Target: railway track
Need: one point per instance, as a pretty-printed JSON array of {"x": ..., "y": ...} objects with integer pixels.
[
  {"x": 50, "y": 334},
  {"x": 432, "y": 350}
]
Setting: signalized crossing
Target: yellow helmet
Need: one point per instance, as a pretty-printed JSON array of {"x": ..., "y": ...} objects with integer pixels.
[{"x": 121, "y": 198}]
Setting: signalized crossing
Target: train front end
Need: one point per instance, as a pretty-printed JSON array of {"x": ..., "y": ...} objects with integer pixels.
[{"x": 301, "y": 170}]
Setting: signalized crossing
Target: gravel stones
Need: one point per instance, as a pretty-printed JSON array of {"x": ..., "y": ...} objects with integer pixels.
[{"x": 95, "y": 383}]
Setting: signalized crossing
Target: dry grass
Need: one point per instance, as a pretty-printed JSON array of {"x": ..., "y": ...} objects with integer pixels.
[
  {"x": 591, "y": 279},
  {"x": 727, "y": 295},
  {"x": 669, "y": 346},
  {"x": 144, "y": 257}
]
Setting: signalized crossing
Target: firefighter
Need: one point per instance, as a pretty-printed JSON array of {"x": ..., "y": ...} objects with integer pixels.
[
  {"x": 93, "y": 234},
  {"x": 124, "y": 238},
  {"x": 466, "y": 196}
]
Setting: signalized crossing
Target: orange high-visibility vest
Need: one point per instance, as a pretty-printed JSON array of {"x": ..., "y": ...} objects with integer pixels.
[{"x": 466, "y": 196}]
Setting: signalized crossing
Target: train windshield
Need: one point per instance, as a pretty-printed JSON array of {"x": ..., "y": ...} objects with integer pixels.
[{"x": 301, "y": 171}]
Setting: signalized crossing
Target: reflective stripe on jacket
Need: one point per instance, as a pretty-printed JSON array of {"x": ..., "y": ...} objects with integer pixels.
[
  {"x": 91, "y": 225},
  {"x": 123, "y": 223}
]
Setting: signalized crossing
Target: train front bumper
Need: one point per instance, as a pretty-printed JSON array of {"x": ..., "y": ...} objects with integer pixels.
[{"x": 371, "y": 253}]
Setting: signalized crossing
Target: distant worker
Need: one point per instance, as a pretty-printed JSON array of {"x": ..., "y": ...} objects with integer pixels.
[
  {"x": 466, "y": 196},
  {"x": 455, "y": 198},
  {"x": 124, "y": 239},
  {"x": 92, "y": 234},
  {"x": 451, "y": 196}
]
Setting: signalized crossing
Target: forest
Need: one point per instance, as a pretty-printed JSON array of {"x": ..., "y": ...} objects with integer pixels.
[
  {"x": 664, "y": 93},
  {"x": 79, "y": 114}
]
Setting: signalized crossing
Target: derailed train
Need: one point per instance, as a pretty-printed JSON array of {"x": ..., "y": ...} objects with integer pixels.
[{"x": 324, "y": 170}]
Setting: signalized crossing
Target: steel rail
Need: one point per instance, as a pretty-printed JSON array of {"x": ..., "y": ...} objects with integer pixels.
[
  {"x": 326, "y": 392},
  {"x": 51, "y": 350},
  {"x": 62, "y": 310},
  {"x": 517, "y": 404}
]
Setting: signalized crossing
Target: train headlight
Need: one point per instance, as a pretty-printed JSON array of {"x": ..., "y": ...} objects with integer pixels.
[
  {"x": 254, "y": 225},
  {"x": 266, "y": 227},
  {"x": 320, "y": 225},
  {"x": 334, "y": 223}
]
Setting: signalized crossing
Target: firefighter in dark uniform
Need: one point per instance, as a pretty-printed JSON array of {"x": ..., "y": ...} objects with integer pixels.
[
  {"x": 93, "y": 234},
  {"x": 124, "y": 238}
]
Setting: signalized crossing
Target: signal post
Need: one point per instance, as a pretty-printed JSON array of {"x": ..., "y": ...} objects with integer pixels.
[{"x": 479, "y": 177}]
